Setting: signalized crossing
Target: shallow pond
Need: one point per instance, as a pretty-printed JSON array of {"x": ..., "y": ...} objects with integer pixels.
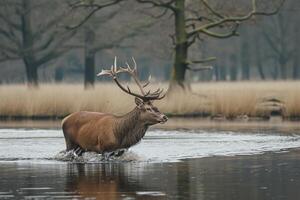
[{"x": 167, "y": 164}]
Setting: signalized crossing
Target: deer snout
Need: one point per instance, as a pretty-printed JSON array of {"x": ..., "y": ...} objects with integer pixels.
[{"x": 163, "y": 118}]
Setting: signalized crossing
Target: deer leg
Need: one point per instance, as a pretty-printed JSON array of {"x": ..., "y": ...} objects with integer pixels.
[
  {"x": 78, "y": 151},
  {"x": 69, "y": 144},
  {"x": 120, "y": 152},
  {"x": 116, "y": 153},
  {"x": 107, "y": 155}
]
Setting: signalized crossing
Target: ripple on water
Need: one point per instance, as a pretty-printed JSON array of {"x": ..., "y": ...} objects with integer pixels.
[{"x": 157, "y": 145}]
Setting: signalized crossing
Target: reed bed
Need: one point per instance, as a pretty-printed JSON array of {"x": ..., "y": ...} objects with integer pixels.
[
  {"x": 233, "y": 99},
  {"x": 228, "y": 99}
]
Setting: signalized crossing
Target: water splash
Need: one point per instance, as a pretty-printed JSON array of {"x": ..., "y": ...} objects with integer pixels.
[
  {"x": 93, "y": 157},
  {"x": 157, "y": 146}
]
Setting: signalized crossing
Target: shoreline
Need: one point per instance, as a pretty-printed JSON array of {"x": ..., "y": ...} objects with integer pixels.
[
  {"x": 274, "y": 124},
  {"x": 200, "y": 116}
]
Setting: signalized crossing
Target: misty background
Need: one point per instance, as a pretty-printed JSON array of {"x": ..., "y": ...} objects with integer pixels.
[{"x": 267, "y": 48}]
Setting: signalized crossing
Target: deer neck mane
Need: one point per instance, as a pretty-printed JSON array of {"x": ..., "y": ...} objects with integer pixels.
[{"x": 130, "y": 129}]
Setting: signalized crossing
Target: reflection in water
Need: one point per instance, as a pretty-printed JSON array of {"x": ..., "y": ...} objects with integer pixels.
[
  {"x": 93, "y": 181},
  {"x": 102, "y": 181},
  {"x": 271, "y": 176},
  {"x": 265, "y": 176},
  {"x": 28, "y": 171}
]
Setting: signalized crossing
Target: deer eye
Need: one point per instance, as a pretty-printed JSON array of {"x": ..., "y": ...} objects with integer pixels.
[
  {"x": 155, "y": 109},
  {"x": 148, "y": 109}
]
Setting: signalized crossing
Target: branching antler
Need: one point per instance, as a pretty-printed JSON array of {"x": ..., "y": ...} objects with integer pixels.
[{"x": 145, "y": 96}]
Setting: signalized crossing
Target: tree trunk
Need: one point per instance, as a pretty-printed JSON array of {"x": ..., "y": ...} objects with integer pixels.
[
  {"x": 27, "y": 37},
  {"x": 223, "y": 73},
  {"x": 283, "y": 70},
  {"x": 275, "y": 72},
  {"x": 233, "y": 73},
  {"x": 296, "y": 71},
  {"x": 233, "y": 68},
  {"x": 181, "y": 49},
  {"x": 89, "y": 67},
  {"x": 89, "y": 70},
  {"x": 31, "y": 74},
  {"x": 258, "y": 59},
  {"x": 245, "y": 61},
  {"x": 217, "y": 72},
  {"x": 59, "y": 74},
  {"x": 260, "y": 69},
  {"x": 245, "y": 71}
]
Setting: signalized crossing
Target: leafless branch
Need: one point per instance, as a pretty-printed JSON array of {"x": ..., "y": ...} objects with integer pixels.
[
  {"x": 51, "y": 24},
  {"x": 193, "y": 40},
  {"x": 231, "y": 19},
  {"x": 9, "y": 36},
  {"x": 172, "y": 36},
  {"x": 194, "y": 19},
  {"x": 155, "y": 3},
  {"x": 5, "y": 57},
  {"x": 211, "y": 9},
  {"x": 232, "y": 32},
  {"x": 163, "y": 13},
  {"x": 116, "y": 42},
  {"x": 95, "y": 7},
  {"x": 9, "y": 49},
  {"x": 202, "y": 61},
  {"x": 271, "y": 42},
  {"x": 201, "y": 68}
]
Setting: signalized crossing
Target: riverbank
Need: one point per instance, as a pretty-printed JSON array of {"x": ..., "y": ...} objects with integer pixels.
[
  {"x": 275, "y": 125},
  {"x": 216, "y": 100}
]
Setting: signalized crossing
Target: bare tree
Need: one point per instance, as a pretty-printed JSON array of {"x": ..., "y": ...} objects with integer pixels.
[
  {"x": 94, "y": 45},
  {"x": 245, "y": 56},
  {"x": 30, "y": 32},
  {"x": 296, "y": 62},
  {"x": 280, "y": 36},
  {"x": 233, "y": 70},
  {"x": 99, "y": 33},
  {"x": 208, "y": 20},
  {"x": 195, "y": 20}
]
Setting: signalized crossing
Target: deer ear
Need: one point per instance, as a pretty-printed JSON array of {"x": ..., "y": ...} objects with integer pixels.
[{"x": 139, "y": 103}]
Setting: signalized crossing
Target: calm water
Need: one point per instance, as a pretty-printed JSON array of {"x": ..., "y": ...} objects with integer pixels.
[{"x": 167, "y": 164}]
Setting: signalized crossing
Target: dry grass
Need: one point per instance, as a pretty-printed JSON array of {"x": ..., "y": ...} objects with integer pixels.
[
  {"x": 226, "y": 99},
  {"x": 245, "y": 98}
]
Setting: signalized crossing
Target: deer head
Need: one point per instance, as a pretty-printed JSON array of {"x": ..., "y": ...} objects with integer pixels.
[
  {"x": 144, "y": 101},
  {"x": 149, "y": 113}
]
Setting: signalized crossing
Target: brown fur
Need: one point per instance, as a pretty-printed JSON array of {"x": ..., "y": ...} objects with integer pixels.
[
  {"x": 100, "y": 132},
  {"x": 89, "y": 130}
]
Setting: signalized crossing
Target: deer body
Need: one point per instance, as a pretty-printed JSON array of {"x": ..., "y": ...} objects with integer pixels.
[{"x": 101, "y": 132}]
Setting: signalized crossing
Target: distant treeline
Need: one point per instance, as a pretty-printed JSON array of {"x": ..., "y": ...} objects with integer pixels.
[{"x": 55, "y": 43}]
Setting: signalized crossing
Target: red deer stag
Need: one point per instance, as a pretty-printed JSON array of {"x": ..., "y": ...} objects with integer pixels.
[{"x": 104, "y": 133}]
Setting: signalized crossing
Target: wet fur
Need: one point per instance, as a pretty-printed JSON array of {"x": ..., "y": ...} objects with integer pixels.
[
  {"x": 101, "y": 132},
  {"x": 130, "y": 129}
]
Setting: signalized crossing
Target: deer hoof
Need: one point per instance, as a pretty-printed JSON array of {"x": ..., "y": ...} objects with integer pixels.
[
  {"x": 78, "y": 151},
  {"x": 120, "y": 152}
]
